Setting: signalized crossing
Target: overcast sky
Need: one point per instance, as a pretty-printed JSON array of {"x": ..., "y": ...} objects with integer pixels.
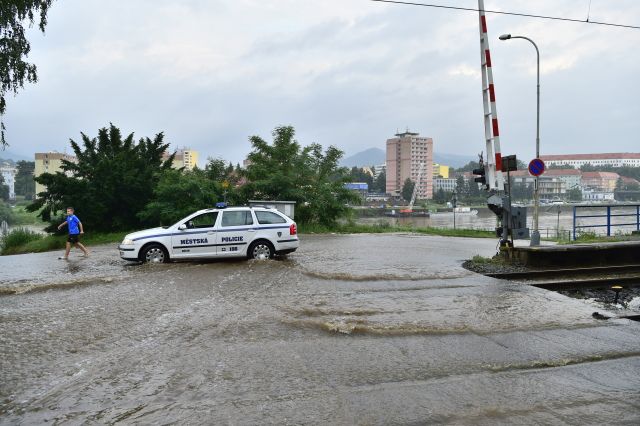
[{"x": 211, "y": 73}]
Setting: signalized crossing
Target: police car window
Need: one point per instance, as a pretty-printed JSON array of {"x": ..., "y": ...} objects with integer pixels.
[
  {"x": 205, "y": 220},
  {"x": 237, "y": 218},
  {"x": 265, "y": 218}
]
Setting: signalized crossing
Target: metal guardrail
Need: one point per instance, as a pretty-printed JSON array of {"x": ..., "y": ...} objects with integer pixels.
[{"x": 611, "y": 211}]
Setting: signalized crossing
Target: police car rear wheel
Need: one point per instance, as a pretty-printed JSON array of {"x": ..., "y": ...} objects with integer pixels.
[
  {"x": 155, "y": 254},
  {"x": 261, "y": 250}
]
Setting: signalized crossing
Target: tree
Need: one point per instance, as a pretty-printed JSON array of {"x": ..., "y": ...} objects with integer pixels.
[
  {"x": 462, "y": 188},
  {"x": 407, "y": 189},
  {"x": 575, "y": 194},
  {"x": 111, "y": 182},
  {"x": 284, "y": 170},
  {"x": 380, "y": 183},
  {"x": 359, "y": 175},
  {"x": 440, "y": 196},
  {"x": 6, "y": 213},
  {"x": 14, "y": 47},
  {"x": 25, "y": 185},
  {"x": 180, "y": 193},
  {"x": 468, "y": 167},
  {"x": 4, "y": 190}
]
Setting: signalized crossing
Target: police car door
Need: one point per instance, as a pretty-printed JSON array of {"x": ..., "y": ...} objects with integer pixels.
[
  {"x": 235, "y": 233},
  {"x": 197, "y": 239}
]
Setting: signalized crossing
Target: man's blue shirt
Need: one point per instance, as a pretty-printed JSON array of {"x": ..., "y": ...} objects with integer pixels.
[{"x": 72, "y": 223}]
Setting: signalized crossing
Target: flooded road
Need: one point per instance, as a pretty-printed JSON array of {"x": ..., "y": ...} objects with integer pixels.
[{"x": 351, "y": 329}]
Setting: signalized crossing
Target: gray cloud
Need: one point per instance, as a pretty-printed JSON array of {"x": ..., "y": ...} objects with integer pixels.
[{"x": 348, "y": 73}]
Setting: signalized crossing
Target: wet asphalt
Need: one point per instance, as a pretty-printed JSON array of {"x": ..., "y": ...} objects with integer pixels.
[{"x": 351, "y": 329}]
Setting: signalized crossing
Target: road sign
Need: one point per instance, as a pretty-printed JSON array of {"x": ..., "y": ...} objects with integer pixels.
[{"x": 536, "y": 167}]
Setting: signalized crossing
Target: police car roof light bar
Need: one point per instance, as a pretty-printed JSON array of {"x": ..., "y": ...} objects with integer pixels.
[{"x": 221, "y": 205}]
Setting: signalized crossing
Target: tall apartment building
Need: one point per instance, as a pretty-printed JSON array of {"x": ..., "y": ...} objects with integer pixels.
[
  {"x": 613, "y": 159},
  {"x": 407, "y": 153},
  {"x": 186, "y": 157},
  {"x": 49, "y": 162}
]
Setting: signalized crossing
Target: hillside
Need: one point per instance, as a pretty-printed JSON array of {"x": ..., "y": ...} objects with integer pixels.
[{"x": 375, "y": 156}]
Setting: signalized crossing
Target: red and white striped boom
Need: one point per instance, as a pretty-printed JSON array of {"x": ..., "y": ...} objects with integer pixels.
[{"x": 493, "y": 163}]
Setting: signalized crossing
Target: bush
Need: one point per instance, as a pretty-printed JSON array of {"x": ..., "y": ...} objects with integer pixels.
[
  {"x": 6, "y": 213},
  {"x": 18, "y": 237}
]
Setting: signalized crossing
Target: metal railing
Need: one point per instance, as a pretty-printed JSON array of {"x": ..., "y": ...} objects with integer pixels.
[{"x": 610, "y": 212}]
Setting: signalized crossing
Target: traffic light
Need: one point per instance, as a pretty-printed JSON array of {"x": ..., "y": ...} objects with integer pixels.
[{"x": 480, "y": 172}]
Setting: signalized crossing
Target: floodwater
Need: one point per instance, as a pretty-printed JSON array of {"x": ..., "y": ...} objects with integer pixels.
[
  {"x": 552, "y": 219},
  {"x": 351, "y": 329}
]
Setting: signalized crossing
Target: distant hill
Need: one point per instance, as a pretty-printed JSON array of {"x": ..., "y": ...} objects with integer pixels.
[
  {"x": 368, "y": 157},
  {"x": 453, "y": 160},
  {"x": 8, "y": 155},
  {"x": 375, "y": 156}
]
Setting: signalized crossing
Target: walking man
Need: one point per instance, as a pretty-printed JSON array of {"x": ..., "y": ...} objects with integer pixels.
[{"x": 75, "y": 230}]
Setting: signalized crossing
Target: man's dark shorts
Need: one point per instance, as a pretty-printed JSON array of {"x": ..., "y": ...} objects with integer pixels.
[{"x": 73, "y": 238}]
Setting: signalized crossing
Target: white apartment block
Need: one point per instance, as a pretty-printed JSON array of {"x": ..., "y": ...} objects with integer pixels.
[{"x": 615, "y": 159}]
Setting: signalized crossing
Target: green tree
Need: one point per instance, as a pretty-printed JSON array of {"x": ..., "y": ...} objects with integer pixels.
[
  {"x": 359, "y": 175},
  {"x": 284, "y": 170},
  {"x": 4, "y": 190},
  {"x": 14, "y": 47},
  {"x": 440, "y": 196},
  {"x": 462, "y": 189},
  {"x": 111, "y": 182},
  {"x": 575, "y": 194},
  {"x": 25, "y": 185},
  {"x": 468, "y": 167},
  {"x": 5, "y": 213},
  {"x": 407, "y": 189},
  {"x": 180, "y": 193},
  {"x": 380, "y": 183}
]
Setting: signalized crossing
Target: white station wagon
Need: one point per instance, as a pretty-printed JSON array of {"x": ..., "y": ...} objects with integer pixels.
[{"x": 252, "y": 232}]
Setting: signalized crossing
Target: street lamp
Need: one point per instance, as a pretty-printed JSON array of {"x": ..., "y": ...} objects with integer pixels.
[{"x": 535, "y": 235}]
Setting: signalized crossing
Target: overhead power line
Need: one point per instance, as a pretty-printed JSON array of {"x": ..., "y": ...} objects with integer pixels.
[{"x": 497, "y": 12}]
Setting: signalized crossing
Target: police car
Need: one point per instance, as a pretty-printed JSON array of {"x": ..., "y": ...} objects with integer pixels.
[{"x": 252, "y": 232}]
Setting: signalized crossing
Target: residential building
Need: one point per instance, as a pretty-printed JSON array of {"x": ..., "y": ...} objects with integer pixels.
[
  {"x": 447, "y": 185},
  {"x": 408, "y": 155},
  {"x": 440, "y": 171},
  {"x": 550, "y": 187},
  {"x": 49, "y": 162},
  {"x": 600, "y": 181},
  {"x": 8, "y": 173},
  {"x": 380, "y": 168},
  {"x": 571, "y": 177},
  {"x": 614, "y": 159},
  {"x": 368, "y": 170},
  {"x": 185, "y": 157}
]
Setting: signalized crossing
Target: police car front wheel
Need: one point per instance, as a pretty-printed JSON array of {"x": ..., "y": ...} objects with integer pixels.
[
  {"x": 154, "y": 253},
  {"x": 261, "y": 250}
]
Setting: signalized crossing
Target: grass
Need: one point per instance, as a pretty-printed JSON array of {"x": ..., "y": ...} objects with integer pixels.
[
  {"x": 385, "y": 227},
  {"x": 19, "y": 237},
  {"x": 592, "y": 237},
  {"x": 481, "y": 260},
  {"x": 57, "y": 242},
  {"x": 20, "y": 216}
]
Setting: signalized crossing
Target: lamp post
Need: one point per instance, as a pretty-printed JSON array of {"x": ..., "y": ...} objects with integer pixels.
[{"x": 535, "y": 235}]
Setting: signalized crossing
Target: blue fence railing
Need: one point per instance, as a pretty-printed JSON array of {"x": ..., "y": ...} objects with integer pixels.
[{"x": 608, "y": 214}]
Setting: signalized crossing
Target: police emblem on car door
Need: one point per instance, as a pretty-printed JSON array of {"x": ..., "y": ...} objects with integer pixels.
[{"x": 196, "y": 237}]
